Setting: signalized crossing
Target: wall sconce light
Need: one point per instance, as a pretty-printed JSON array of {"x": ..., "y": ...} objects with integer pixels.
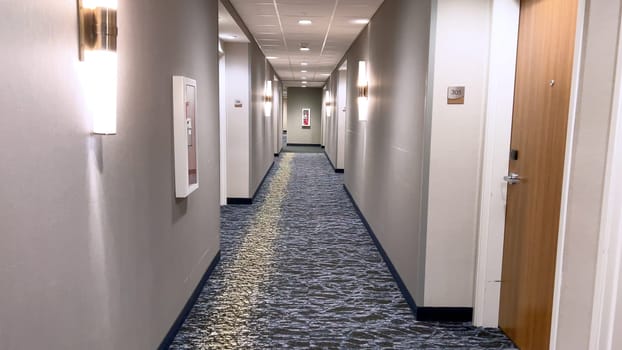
[
  {"x": 268, "y": 98},
  {"x": 97, "y": 21},
  {"x": 363, "y": 91},
  {"x": 328, "y": 103}
]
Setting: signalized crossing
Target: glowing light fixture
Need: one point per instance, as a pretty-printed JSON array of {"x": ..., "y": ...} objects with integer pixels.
[
  {"x": 267, "y": 108},
  {"x": 304, "y": 63},
  {"x": 97, "y": 21},
  {"x": 304, "y": 47},
  {"x": 305, "y": 22},
  {"x": 228, "y": 36},
  {"x": 271, "y": 57},
  {"x": 303, "y": 71},
  {"x": 363, "y": 91},
  {"x": 360, "y": 21}
]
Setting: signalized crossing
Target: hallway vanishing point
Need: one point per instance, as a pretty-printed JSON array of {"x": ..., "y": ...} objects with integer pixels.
[{"x": 298, "y": 269}]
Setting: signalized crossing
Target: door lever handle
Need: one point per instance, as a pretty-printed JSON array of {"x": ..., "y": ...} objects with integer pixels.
[{"x": 512, "y": 179}]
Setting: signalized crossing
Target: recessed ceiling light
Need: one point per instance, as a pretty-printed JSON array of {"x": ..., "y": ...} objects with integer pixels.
[
  {"x": 360, "y": 21},
  {"x": 305, "y": 22},
  {"x": 305, "y": 49},
  {"x": 271, "y": 57},
  {"x": 304, "y": 63},
  {"x": 228, "y": 36},
  {"x": 325, "y": 74},
  {"x": 303, "y": 71},
  {"x": 304, "y": 82}
]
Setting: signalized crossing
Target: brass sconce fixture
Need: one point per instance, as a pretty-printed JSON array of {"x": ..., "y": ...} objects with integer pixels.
[
  {"x": 268, "y": 98},
  {"x": 363, "y": 91},
  {"x": 328, "y": 103},
  {"x": 98, "y": 26},
  {"x": 97, "y": 22}
]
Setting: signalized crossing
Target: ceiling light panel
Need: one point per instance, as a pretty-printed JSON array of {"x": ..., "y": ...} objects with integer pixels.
[{"x": 278, "y": 19}]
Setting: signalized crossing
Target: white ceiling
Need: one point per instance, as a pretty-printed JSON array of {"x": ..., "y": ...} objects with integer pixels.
[{"x": 274, "y": 24}]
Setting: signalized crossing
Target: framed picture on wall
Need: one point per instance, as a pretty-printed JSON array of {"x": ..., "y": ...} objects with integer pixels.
[
  {"x": 185, "y": 136},
  {"x": 306, "y": 117}
]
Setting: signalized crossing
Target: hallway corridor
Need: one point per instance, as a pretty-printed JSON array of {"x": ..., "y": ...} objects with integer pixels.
[{"x": 298, "y": 269}]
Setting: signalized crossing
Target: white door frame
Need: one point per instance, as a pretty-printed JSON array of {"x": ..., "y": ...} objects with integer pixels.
[
  {"x": 563, "y": 215},
  {"x": 609, "y": 261},
  {"x": 499, "y": 110},
  {"x": 497, "y": 135}
]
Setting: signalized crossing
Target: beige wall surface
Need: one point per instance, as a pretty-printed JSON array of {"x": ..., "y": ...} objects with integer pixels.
[
  {"x": 384, "y": 156},
  {"x": 341, "y": 116},
  {"x": 96, "y": 252},
  {"x": 277, "y": 116},
  {"x": 589, "y": 156},
  {"x": 460, "y": 59},
  {"x": 332, "y": 121},
  {"x": 297, "y": 99},
  {"x": 237, "y": 82}
]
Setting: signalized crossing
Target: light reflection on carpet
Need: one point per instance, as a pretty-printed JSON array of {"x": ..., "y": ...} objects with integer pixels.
[{"x": 299, "y": 270}]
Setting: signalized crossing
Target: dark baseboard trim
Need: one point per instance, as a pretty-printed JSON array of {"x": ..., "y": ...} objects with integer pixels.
[
  {"x": 239, "y": 201},
  {"x": 265, "y": 176},
  {"x": 445, "y": 314},
  {"x": 247, "y": 201},
  {"x": 304, "y": 144},
  {"x": 170, "y": 336},
  {"x": 333, "y": 165},
  {"x": 400, "y": 283},
  {"x": 441, "y": 314}
]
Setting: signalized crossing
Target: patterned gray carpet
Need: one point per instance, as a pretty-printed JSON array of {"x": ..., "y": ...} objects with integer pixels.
[{"x": 299, "y": 270}]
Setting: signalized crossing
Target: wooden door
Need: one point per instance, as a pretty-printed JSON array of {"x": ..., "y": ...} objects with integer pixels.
[{"x": 541, "y": 106}]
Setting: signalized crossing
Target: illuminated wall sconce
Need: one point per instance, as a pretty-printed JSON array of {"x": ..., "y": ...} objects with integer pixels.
[
  {"x": 97, "y": 22},
  {"x": 363, "y": 91},
  {"x": 328, "y": 103},
  {"x": 268, "y": 98}
]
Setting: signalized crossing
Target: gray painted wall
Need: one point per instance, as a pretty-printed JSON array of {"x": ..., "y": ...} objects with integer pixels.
[
  {"x": 262, "y": 129},
  {"x": 297, "y": 99},
  {"x": 399, "y": 163},
  {"x": 617, "y": 338},
  {"x": 384, "y": 156},
  {"x": 284, "y": 116},
  {"x": 96, "y": 252}
]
